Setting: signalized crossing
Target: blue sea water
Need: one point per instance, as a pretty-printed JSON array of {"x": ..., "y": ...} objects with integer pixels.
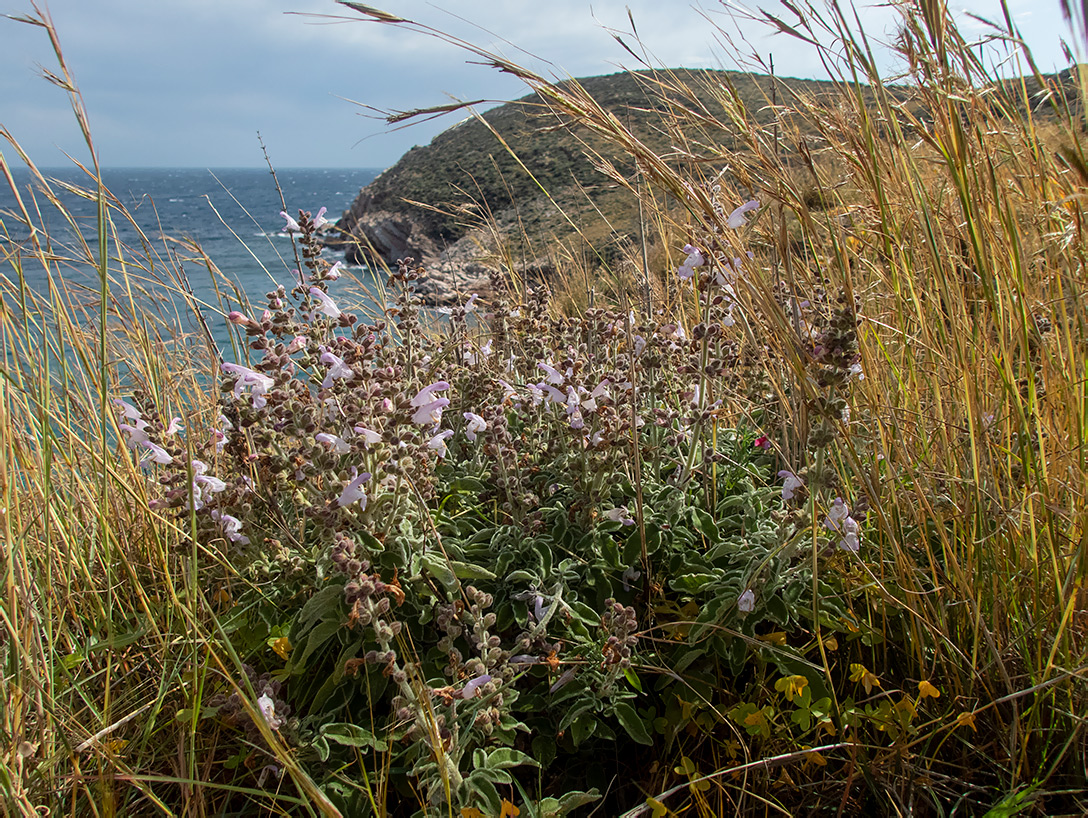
[{"x": 232, "y": 213}]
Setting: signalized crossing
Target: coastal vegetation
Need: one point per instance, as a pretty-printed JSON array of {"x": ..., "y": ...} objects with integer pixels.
[{"x": 785, "y": 517}]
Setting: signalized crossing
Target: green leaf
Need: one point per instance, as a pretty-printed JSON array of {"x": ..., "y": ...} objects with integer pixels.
[
  {"x": 466, "y": 570},
  {"x": 325, "y": 604},
  {"x": 321, "y": 747},
  {"x": 705, "y": 523},
  {"x": 693, "y": 583},
  {"x": 522, "y": 576},
  {"x": 544, "y": 749},
  {"x": 632, "y": 679},
  {"x": 776, "y": 609},
  {"x": 630, "y": 721},
  {"x": 440, "y": 568},
  {"x": 352, "y": 735},
  {"x": 582, "y": 728},
  {"x": 505, "y": 757},
  {"x": 318, "y": 637}
]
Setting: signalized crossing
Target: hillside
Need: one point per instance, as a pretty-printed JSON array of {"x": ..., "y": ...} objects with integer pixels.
[{"x": 430, "y": 204}]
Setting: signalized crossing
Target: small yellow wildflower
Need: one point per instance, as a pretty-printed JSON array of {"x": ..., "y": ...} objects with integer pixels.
[
  {"x": 926, "y": 689},
  {"x": 791, "y": 686},
  {"x": 859, "y": 673}
]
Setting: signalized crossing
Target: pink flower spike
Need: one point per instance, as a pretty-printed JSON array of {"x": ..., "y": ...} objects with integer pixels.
[
  {"x": 320, "y": 220},
  {"x": 328, "y": 306},
  {"x": 353, "y": 492},
  {"x": 426, "y": 394},
  {"x": 297, "y": 343},
  {"x": 292, "y": 225},
  {"x": 430, "y": 413},
  {"x": 438, "y": 442},
  {"x": 736, "y": 218}
]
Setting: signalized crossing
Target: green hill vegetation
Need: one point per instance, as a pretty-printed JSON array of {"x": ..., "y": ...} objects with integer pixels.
[{"x": 533, "y": 175}]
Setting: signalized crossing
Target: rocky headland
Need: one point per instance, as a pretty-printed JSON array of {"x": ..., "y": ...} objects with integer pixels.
[{"x": 473, "y": 201}]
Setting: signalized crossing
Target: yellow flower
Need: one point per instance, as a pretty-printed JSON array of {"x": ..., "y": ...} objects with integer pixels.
[
  {"x": 791, "y": 686},
  {"x": 859, "y": 673},
  {"x": 966, "y": 719},
  {"x": 926, "y": 689},
  {"x": 509, "y": 810},
  {"x": 282, "y": 647}
]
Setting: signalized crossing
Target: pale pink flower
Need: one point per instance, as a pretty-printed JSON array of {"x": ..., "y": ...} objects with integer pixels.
[
  {"x": 791, "y": 485},
  {"x": 353, "y": 492},
  {"x": 839, "y": 511},
  {"x": 746, "y": 603},
  {"x": 554, "y": 395},
  {"x": 158, "y": 453},
  {"x": 320, "y": 220},
  {"x": 369, "y": 437},
  {"x": 292, "y": 225},
  {"x": 337, "y": 369},
  {"x": 135, "y": 435},
  {"x": 430, "y": 413},
  {"x": 438, "y": 442},
  {"x": 426, "y": 394},
  {"x": 509, "y": 392},
  {"x": 174, "y": 427},
  {"x": 328, "y": 306},
  {"x": 232, "y": 527},
  {"x": 554, "y": 375},
  {"x": 694, "y": 259},
  {"x": 737, "y": 219},
  {"x": 476, "y": 424},
  {"x": 246, "y": 377},
  {"x": 620, "y": 515},
  {"x": 334, "y": 442},
  {"x": 469, "y": 690},
  {"x": 334, "y": 272},
  {"x": 268, "y": 711}
]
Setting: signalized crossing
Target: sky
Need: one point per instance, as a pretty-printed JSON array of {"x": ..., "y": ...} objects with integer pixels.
[{"x": 190, "y": 83}]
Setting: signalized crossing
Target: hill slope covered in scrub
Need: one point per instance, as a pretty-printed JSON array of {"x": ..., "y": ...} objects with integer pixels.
[{"x": 532, "y": 175}]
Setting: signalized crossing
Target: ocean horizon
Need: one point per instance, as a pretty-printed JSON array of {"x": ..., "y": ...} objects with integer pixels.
[{"x": 233, "y": 214}]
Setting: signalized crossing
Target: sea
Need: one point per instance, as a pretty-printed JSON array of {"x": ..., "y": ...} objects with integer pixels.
[{"x": 232, "y": 213}]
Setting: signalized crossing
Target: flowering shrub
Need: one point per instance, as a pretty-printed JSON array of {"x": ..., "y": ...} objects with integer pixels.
[{"x": 452, "y": 554}]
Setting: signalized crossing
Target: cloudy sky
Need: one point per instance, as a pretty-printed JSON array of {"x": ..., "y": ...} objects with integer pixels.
[{"x": 189, "y": 83}]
